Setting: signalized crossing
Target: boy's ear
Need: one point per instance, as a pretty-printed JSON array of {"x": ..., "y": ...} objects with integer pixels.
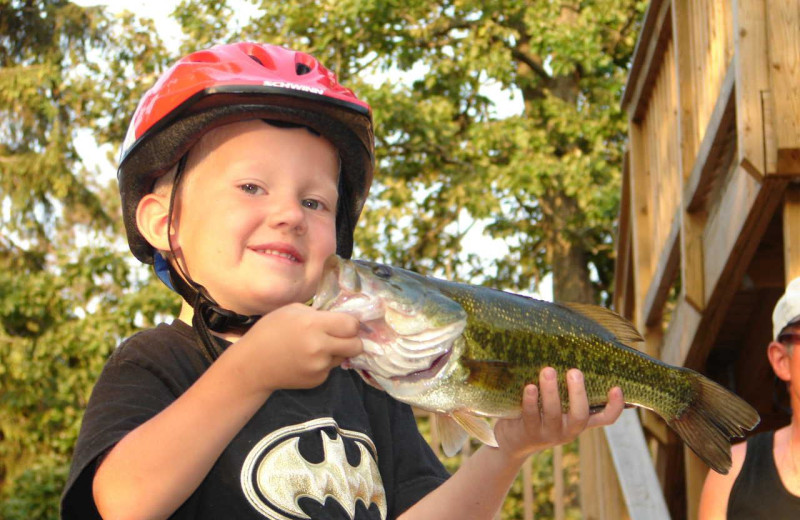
[
  {"x": 779, "y": 358},
  {"x": 152, "y": 215}
]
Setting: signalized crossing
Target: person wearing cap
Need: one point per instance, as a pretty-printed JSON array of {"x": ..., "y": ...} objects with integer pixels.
[
  {"x": 764, "y": 480},
  {"x": 245, "y": 167}
]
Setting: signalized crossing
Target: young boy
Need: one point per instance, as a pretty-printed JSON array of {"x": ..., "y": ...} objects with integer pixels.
[{"x": 246, "y": 165}]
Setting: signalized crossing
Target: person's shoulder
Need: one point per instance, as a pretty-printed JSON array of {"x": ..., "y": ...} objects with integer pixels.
[
  {"x": 717, "y": 487},
  {"x": 161, "y": 333},
  {"x": 738, "y": 453},
  {"x": 157, "y": 340}
]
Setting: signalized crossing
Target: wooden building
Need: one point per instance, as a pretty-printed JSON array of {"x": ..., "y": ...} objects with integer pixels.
[{"x": 709, "y": 227}]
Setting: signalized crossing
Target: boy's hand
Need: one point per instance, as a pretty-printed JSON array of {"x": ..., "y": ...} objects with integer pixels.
[
  {"x": 296, "y": 346},
  {"x": 540, "y": 429}
]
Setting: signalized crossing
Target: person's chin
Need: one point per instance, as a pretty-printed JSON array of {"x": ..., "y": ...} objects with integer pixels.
[{"x": 268, "y": 302}]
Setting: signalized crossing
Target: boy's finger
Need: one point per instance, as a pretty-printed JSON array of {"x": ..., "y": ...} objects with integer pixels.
[
  {"x": 340, "y": 325},
  {"x": 612, "y": 410},
  {"x": 578, "y": 414},
  {"x": 531, "y": 415},
  {"x": 551, "y": 402},
  {"x": 345, "y": 347}
]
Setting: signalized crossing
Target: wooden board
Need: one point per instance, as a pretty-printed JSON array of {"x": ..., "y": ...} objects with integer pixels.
[
  {"x": 637, "y": 477},
  {"x": 752, "y": 78},
  {"x": 601, "y": 495},
  {"x": 783, "y": 36},
  {"x": 791, "y": 233}
]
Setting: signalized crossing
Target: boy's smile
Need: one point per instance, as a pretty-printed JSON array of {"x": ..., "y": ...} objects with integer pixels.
[
  {"x": 280, "y": 250},
  {"x": 256, "y": 214}
]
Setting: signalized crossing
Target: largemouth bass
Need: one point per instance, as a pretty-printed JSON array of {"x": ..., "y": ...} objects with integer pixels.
[{"x": 466, "y": 352}]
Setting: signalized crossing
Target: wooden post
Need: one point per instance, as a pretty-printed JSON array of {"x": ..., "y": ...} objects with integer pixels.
[
  {"x": 558, "y": 482},
  {"x": 641, "y": 221},
  {"x": 691, "y": 223},
  {"x": 527, "y": 489},
  {"x": 601, "y": 495},
  {"x": 587, "y": 450},
  {"x": 752, "y": 79},
  {"x": 783, "y": 36},
  {"x": 791, "y": 232},
  {"x": 696, "y": 472},
  {"x": 683, "y": 57}
]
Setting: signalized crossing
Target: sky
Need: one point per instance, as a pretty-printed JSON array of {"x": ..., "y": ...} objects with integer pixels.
[{"x": 160, "y": 10}]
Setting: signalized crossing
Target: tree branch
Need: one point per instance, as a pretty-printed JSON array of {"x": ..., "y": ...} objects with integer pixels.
[{"x": 535, "y": 66}]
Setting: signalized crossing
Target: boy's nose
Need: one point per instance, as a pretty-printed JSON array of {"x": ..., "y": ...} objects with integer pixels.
[{"x": 287, "y": 214}]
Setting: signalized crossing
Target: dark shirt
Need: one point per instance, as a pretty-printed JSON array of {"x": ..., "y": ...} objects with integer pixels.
[
  {"x": 340, "y": 450},
  {"x": 758, "y": 491}
]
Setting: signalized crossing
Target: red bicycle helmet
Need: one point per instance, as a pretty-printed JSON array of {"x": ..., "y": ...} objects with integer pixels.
[{"x": 234, "y": 82}]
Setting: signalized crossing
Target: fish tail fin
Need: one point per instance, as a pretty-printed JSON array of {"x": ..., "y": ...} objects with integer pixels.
[{"x": 712, "y": 418}]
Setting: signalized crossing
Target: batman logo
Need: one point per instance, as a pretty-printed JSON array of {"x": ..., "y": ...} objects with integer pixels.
[{"x": 275, "y": 475}]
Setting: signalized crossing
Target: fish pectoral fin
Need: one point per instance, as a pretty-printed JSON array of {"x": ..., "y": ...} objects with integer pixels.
[
  {"x": 451, "y": 435},
  {"x": 488, "y": 373},
  {"x": 476, "y": 426},
  {"x": 608, "y": 319}
]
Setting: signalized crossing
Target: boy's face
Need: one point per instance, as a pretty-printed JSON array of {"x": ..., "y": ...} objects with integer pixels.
[{"x": 256, "y": 214}]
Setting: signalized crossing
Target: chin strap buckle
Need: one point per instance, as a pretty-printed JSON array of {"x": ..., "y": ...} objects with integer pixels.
[{"x": 223, "y": 320}]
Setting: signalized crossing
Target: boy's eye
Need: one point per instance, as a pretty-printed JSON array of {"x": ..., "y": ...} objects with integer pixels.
[
  {"x": 312, "y": 204},
  {"x": 252, "y": 189}
]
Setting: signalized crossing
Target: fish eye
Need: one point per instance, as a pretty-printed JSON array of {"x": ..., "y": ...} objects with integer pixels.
[{"x": 382, "y": 271}]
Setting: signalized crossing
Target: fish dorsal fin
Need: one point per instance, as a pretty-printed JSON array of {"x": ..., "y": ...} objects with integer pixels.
[
  {"x": 451, "y": 435},
  {"x": 476, "y": 426},
  {"x": 608, "y": 319},
  {"x": 490, "y": 374}
]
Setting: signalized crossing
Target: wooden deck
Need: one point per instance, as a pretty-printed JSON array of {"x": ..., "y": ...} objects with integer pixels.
[{"x": 710, "y": 210}]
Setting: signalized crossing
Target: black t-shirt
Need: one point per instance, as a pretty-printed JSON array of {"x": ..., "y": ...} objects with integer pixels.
[
  {"x": 758, "y": 491},
  {"x": 340, "y": 450}
]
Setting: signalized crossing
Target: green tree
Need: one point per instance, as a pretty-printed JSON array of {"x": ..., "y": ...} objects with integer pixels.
[{"x": 68, "y": 292}]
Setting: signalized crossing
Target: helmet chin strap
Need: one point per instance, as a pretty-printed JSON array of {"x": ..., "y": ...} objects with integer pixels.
[{"x": 208, "y": 315}]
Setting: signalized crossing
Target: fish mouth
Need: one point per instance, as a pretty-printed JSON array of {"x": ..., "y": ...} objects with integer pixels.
[
  {"x": 340, "y": 290},
  {"x": 338, "y": 286},
  {"x": 389, "y": 357},
  {"x": 420, "y": 375},
  {"x": 328, "y": 287},
  {"x": 400, "y": 341}
]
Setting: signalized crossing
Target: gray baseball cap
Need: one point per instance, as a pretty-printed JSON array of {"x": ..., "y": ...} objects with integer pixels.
[{"x": 787, "y": 310}]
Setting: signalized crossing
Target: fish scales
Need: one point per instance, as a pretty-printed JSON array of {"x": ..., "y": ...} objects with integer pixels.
[
  {"x": 529, "y": 335},
  {"x": 466, "y": 352}
]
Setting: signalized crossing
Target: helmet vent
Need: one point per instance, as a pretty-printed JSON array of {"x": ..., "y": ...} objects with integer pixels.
[
  {"x": 256, "y": 60},
  {"x": 203, "y": 57},
  {"x": 302, "y": 68}
]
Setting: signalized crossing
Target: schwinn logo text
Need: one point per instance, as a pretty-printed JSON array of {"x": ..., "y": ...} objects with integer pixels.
[{"x": 293, "y": 86}]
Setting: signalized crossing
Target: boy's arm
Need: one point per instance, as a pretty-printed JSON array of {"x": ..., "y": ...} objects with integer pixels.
[
  {"x": 477, "y": 490},
  {"x": 158, "y": 465}
]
